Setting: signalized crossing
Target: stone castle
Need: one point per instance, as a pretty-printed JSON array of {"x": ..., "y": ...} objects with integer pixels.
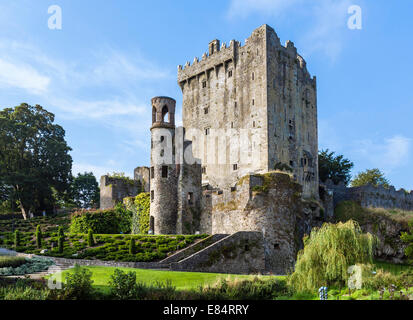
[{"x": 244, "y": 166}]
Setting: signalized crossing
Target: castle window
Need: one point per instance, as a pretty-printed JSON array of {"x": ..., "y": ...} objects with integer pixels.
[
  {"x": 253, "y": 76},
  {"x": 152, "y": 224},
  {"x": 190, "y": 198},
  {"x": 164, "y": 113},
  {"x": 232, "y": 125},
  {"x": 152, "y": 195},
  {"x": 253, "y": 102},
  {"x": 276, "y": 246},
  {"x": 203, "y": 170},
  {"x": 207, "y": 131},
  {"x": 164, "y": 171},
  {"x": 229, "y": 73},
  {"x": 292, "y": 164},
  {"x": 206, "y": 110},
  {"x": 162, "y": 153},
  {"x": 253, "y": 124},
  {"x": 235, "y": 104},
  {"x": 233, "y": 189},
  {"x": 235, "y": 167},
  {"x": 162, "y": 138},
  {"x": 152, "y": 172},
  {"x": 204, "y": 84}
]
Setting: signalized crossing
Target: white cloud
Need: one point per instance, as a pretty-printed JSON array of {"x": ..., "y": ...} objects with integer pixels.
[
  {"x": 22, "y": 76},
  {"x": 387, "y": 155},
  {"x": 325, "y": 36},
  {"x": 98, "y": 171},
  {"x": 82, "y": 109},
  {"x": 323, "y": 21}
]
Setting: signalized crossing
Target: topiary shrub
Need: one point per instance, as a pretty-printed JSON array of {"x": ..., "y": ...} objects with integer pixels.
[
  {"x": 61, "y": 239},
  {"x": 17, "y": 239},
  {"x": 38, "y": 237},
  {"x": 132, "y": 247},
  {"x": 90, "y": 240}
]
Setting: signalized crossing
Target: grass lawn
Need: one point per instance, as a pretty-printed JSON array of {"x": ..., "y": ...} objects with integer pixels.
[{"x": 181, "y": 280}]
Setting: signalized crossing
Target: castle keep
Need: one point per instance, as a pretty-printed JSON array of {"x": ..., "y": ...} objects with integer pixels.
[{"x": 262, "y": 89}]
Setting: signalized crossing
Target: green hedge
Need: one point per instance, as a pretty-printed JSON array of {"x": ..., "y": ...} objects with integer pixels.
[
  {"x": 111, "y": 221},
  {"x": 108, "y": 247}
]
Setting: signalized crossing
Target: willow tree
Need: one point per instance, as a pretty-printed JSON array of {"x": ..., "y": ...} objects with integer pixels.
[{"x": 328, "y": 253}]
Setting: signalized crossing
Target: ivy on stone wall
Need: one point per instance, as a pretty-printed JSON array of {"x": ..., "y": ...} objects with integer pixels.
[{"x": 139, "y": 206}]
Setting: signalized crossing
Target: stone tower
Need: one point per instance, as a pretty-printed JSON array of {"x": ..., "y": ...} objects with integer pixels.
[
  {"x": 252, "y": 108},
  {"x": 163, "y": 171}
]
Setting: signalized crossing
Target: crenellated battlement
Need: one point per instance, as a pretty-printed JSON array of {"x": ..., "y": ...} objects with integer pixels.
[
  {"x": 221, "y": 55},
  {"x": 373, "y": 196}
]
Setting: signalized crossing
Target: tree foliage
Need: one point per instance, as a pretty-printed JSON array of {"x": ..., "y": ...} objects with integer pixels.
[
  {"x": 408, "y": 238},
  {"x": 34, "y": 157},
  {"x": 328, "y": 253},
  {"x": 85, "y": 191},
  {"x": 140, "y": 207},
  {"x": 371, "y": 176},
  {"x": 336, "y": 168}
]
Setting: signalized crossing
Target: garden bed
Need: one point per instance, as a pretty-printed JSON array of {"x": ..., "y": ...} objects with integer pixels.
[{"x": 106, "y": 247}]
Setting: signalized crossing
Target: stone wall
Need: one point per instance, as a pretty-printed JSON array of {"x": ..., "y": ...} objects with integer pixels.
[
  {"x": 270, "y": 204},
  {"x": 142, "y": 174},
  {"x": 239, "y": 253},
  {"x": 370, "y": 196},
  {"x": 114, "y": 190}
]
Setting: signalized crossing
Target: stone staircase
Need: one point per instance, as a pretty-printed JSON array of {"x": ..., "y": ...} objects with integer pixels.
[{"x": 188, "y": 251}]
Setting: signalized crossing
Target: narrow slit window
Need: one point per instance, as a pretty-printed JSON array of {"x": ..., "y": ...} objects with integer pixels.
[{"x": 164, "y": 171}]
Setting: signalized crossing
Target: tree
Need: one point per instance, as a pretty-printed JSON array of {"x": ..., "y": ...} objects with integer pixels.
[
  {"x": 34, "y": 156},
  {"x": 328, "y": 253},
  {"x": 373, "y": 176},
  {"x": 336, "y": 168},
  {"x": 85, "y": 191}
]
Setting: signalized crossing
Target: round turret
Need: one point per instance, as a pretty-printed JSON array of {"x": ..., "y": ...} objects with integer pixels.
[{"x": 163, "y": 172}]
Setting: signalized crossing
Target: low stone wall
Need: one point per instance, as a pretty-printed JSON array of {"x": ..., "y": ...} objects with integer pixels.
[
  {"x": 100, "y": 263},
  {"x": 239, "y": 253}
]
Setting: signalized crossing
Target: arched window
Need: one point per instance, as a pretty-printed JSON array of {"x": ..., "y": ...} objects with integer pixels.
[{"x": 164, "y": 113}]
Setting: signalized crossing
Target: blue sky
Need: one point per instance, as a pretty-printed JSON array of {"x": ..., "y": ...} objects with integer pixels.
[{"x": 100, "y": 71}]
